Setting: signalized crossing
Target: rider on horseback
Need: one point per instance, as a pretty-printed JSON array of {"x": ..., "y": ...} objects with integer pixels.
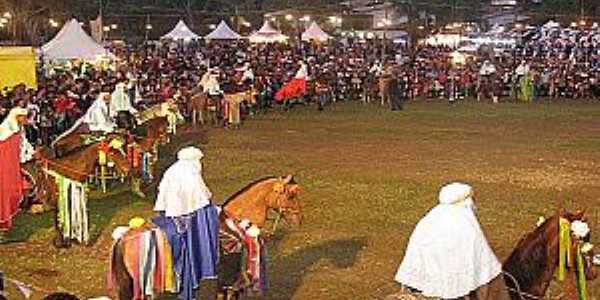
[
  {"x": 448, "y": 255},
  {"x": 189, "y": 219}
]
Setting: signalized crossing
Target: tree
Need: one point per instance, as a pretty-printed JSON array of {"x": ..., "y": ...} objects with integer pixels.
[{"x": 28, "y": 17}]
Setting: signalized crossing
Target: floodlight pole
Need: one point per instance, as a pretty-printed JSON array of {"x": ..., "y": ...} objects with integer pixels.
[{"x": 383, "y": 36}]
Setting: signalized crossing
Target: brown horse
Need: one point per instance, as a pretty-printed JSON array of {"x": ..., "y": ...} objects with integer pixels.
[
  {"x": 534, "y": 260},
  {"x": 202, "y": 106},
  {"x": 252, "y": 203},
  {"x": 78, "y": 166}
]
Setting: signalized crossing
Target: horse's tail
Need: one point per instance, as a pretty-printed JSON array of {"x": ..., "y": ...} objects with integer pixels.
[{"x": 119, "y": 282}]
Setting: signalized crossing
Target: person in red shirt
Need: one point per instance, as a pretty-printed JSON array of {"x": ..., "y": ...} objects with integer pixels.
[{"x": 62, "y": 108}]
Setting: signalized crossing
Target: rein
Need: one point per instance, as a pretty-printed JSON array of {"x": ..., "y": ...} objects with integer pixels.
[
  {"x": 280, "y": 211},
  {"x": 517, "y": 290}
]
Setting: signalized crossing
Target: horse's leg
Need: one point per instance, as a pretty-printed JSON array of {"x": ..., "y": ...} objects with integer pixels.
[
  {"x": 200, "y": 113},
  {"x": 122, "y": 278}
]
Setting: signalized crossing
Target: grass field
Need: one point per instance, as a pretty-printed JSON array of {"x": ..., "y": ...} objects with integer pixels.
[{"x": 368, "y": 175}]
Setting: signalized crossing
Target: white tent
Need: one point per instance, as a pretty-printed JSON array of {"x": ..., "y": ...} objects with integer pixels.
[
  {"x": 223, "y": 32},
  {"x": 552, "y": 24},
  {"x": 181, "y": 32},
  {"x": 72, "y": 42},
  {"x": 314, "y": 32},
  {"x": 267, "y": 34}
]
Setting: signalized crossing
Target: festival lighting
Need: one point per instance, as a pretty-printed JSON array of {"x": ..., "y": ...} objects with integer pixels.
[
  {"x": 106, "y": 29},
  {"x": 421, "y": 27},
  {"x": 289, "y": 17},
  {"x": 573, "y": 24},
  {"x": 148, "y": 26},
  {"x": 113, "y": 26},
  {"x": 273, "y": 19},
  {"x": 7, "y": 15},
  {"x": 212, "y": 26},
  {"x": 3, "y": 21},
  {"x": 247, "y": 24},
  {"x": 305, "y": 19},
  {"x": 582, "y": 23}
]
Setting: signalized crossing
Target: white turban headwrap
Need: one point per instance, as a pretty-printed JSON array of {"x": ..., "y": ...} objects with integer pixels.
[
  {"x": 455, "y": 192},
  {"x": 182, "y": 189}
]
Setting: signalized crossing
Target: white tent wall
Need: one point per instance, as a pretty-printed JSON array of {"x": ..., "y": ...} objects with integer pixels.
[
  {"x": 72, "y": 42},
  {"x": 223, "y": 32},
  {"x": 267, "y": 34},
  {"x": 314, "y": 32},
  {"x": 181, "y": 32}
]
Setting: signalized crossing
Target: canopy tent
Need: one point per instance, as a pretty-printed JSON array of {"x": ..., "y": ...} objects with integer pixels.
[
  {"x": 552, "y": 24},
  {"x": 72, "y": 42},
  {"x": 18, "y": 67},
  {"x": 267, "y": 34},
  {"x": 315, "y": 33},
  {"x": 223, "y": 32},
  {"x": 181, "y": 32}
]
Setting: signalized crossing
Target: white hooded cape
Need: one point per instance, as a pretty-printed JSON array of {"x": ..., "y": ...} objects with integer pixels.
[
  {"x": 120, "y": 100},
  {"x": 182, "y": 190},
  {"x": 97, "y": 118},
  {"x": 10, "y": 126},
  {"x": 448, "y": 255}
]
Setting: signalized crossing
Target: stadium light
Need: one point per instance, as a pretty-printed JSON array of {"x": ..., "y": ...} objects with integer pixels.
[
  {"x": 148, "y": 26},
  {"x": 114, "y": 26},
  {"x": 289, "y": 17},
  {"x": 106, "y": 29},
  {"x": 212, "y": 26}
]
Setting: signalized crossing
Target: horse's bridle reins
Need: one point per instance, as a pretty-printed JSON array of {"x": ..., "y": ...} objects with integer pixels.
[
  {"x": 280, "y": 209},
  {"x": 525, "y": 296}
]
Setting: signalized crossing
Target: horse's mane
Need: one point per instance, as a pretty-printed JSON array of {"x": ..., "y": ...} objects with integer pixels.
[
  {"x": 529, "y": 259},
  {"x": 246, "y": 188}
]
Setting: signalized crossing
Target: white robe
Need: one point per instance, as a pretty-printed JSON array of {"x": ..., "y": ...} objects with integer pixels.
[
  {"x": 448, "y": 255},
  {"x": 182, "y": 190},
  {"x": 96, "y": 117},
  {"x": 10, "y": 126},
  {"x": 211, "y": 85},
  {"x": 120, "y": 101}
]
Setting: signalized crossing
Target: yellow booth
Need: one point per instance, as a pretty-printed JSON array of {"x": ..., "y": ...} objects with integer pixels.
[{"x": 17, "y": 65}]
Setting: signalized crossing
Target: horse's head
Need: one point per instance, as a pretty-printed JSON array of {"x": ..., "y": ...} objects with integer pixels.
[
  {"x": 284, "y": 200},
  {"x": 582, "y": 237}
]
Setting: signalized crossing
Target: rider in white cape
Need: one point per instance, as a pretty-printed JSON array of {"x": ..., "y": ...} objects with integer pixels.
[{"x": 448, "y": 255}]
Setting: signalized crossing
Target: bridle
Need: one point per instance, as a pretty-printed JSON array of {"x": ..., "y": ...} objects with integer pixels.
[{"x": 282, "y": 210}]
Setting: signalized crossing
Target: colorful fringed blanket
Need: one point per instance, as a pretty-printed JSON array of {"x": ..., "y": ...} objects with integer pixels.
[
  {"x": 243, "y": 237},
  {"x": 148, "y": 259}
]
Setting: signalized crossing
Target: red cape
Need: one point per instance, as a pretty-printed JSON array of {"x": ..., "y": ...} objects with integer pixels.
[
  {"x": 293, "y": 89},
  {"x": 11, "y": 181}
]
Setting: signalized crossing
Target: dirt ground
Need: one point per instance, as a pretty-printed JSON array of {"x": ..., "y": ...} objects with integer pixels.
[{"x": 368, "y": 175}]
